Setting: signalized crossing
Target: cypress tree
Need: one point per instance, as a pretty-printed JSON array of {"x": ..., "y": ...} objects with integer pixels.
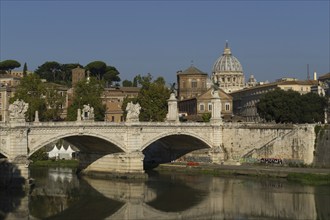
[{"x": 24, "y": 70}]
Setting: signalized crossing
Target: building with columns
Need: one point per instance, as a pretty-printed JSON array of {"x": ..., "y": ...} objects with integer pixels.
[{"x": 228, "y": 72}]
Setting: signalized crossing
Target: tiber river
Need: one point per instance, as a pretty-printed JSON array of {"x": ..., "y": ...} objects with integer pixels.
[{"x": 60, "y": 194}]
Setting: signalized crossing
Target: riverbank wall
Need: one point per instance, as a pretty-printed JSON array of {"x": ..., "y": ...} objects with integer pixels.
[
  {"x": 322, "y": 146},
  {"x": 250, "y": 142},
  {"x": 287, "y": 142}
]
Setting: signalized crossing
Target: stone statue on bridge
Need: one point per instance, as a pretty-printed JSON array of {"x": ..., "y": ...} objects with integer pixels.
[
  {"x": 133, "y": 112},
  {"x": 17, "y": 110},
  {"x": 88, "y": 112}
]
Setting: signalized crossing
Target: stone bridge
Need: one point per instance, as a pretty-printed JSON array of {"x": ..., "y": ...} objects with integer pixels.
[
  {"x": 108, "y": 146},
  {"x": 112, "y": 147},
  {"x": 128, "y": 147}
]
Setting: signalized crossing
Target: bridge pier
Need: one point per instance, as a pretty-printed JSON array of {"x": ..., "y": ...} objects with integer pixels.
[
  {"x": 17, "y": 163},
  {"x": 122, "y": 165}
]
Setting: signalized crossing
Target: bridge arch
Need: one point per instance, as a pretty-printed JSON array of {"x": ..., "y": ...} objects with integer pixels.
[
  {"x": 3, "y": 154},
  {"x": 207, "y": 143},
  {"x": 76, "y": 138},
  {"x": 170, "y": 146}
]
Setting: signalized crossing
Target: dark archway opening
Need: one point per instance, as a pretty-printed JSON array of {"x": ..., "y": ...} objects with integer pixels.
[
  {"x": 87, "y": 149},
  {"x": 2, "y": 156},
  {"x": 170, "y": 148}
]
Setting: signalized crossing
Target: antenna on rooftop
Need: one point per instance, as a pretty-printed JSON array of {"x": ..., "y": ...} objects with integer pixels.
[{"x": 308, "y": 77}]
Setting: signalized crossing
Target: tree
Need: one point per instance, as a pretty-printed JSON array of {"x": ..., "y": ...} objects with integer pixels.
[
  {"x": 24, "y": 69},
  {"x": 66, "y": 73},
  {"x": 291, "y": 107},
  {"x": 8, "y": 65},
  {"x": 206, "y": 117},
  {"x": 127, "y": 83},
  {"x": 101, "y": 71},
  {"x": 136, "y": 80},
  {"x": 50, "y": 71},
  {"x": 97, "y": 69},
  {"x": 40, "y": 154},
  {"x": 87, "y": 92},
  {"x": 31, "y": 90},
  {"x": 111, "y": 75},
  {"x": 152, "y": 98},
  {"x": 55, "y": 100}
]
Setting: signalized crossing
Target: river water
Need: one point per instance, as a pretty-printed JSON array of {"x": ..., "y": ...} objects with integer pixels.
[{"x": 60, "y": 194}]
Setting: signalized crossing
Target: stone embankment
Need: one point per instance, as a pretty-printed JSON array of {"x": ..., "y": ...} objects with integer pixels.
[
  {"x": 322, "y": 146},
  {"x": 247, "y": 170}
]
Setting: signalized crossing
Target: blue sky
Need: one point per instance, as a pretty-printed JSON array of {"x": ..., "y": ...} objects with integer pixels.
[{"x": 271, "y": 39}]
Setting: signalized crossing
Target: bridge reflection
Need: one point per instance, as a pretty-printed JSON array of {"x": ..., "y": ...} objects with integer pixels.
[{"x": 169, "y": 196}]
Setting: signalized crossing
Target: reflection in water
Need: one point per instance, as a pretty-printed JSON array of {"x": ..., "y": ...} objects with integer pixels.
[
  {"x": 59, "y": 194},
  {"x": 174, "y": 194}
]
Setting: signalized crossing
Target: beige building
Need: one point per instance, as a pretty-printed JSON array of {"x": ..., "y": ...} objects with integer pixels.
[
  {"x": 191, "y": 83},
  {"x": 245, "y": 100},
  {"x": 7, "y": 88},
  {"x": 9, "y": 80},
  {"x": 5, "y": 94},
  {"x": 194, "y": 108},
  {"x": 113, "y": 99},
  {"x": 19, "y": 74},
  {"x": 195, "y": 96},
  {"x": 228, "y": 72}
]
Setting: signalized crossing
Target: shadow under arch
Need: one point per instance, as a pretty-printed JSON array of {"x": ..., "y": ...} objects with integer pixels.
[
  {"x": 3, "y": 155},
  {"x": 91, "y": 147},
  {"x": 88, "y": 143},
  {"x": 171, "y": 147}
]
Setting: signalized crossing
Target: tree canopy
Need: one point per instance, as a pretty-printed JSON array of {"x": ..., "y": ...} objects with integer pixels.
[
  {"x": 86, "y": 92},
  {"x": 8, "y": 65},
  {"x": 40, "y": 97},
  {"x": 55, "y": 72},
  {"x": 152, "y": 98},
  {"x": 127, "y": 83},
  {"x": 102, "y": 71},
  {"x": 291, "y": 107}
]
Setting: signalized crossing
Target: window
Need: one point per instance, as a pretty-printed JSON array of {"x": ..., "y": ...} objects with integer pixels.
[
  {"x": 201, "y": 107},
  {"x": 184, "y": 84},
  {"x": 227, "y": 106},
  {"x": 193, "y": 83},
  {"x": 112, "y": 118},
  {"x": 210, "y": 107}
]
